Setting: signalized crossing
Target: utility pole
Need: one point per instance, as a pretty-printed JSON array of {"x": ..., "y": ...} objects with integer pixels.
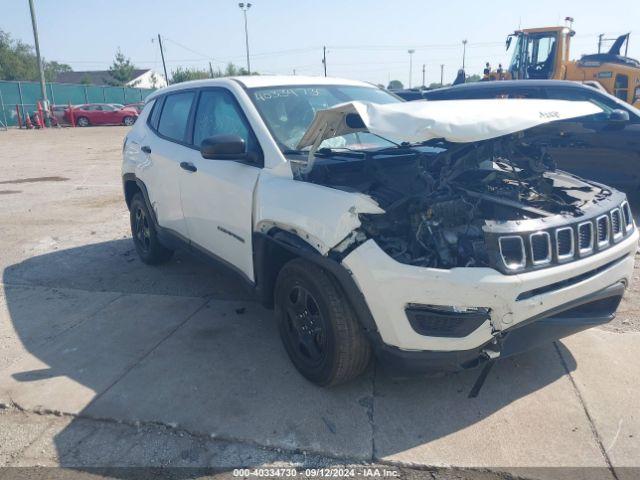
[
  {"x": 244, "y": 7},
  {"x": 210, "y": 70},
  {"x": 324, "y": 60},
  {"x": 600, "y": 41},
  {"x": 464, "y": 52},
  {"x": 43, "y": 86},
  {"x": 411, "y": 52},
  {"x": 442, "y": 74},
  {"x": 424, "y": 70},
  {"x": 164, "y": 65}
]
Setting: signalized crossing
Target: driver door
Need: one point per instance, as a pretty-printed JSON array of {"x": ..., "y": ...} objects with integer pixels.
[{"x": 217, "y": 195}]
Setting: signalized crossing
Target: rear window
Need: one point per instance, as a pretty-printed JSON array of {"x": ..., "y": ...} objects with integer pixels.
[
  {"x": 155, "y": 113},
  {"x": 175, "y": 115}
]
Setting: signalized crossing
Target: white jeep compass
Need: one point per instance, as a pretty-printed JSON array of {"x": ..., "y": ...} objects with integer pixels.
[{"x": 437, "y": 235}]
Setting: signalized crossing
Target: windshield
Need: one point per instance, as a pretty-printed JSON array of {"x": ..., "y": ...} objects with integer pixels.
[
  {"x": 534, "y": 56},
  {"x": 289, "y": 110}
]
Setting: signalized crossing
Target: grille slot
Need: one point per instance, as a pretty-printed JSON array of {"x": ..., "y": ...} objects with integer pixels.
[
  {"x": 512, "y": 252},
  {"x": 585, "y": 238},
  {"x": 564, "y": 243},
  {"x": 540, "y": 248},
  {"x": 628, "y": 217},
  {"x": 602, "y": 223},
  {"x": 616, "y": 224}
]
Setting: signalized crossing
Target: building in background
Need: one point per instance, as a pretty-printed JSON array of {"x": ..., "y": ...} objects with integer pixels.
[{"x": 141, "y": 78}]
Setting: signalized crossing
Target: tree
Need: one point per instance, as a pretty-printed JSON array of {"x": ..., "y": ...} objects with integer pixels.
[
  {"x": 395, "y": 85},
  {"x": 121, "y": 70},
  {"x": 185, "y": 74},
  {"x": 18, "y": 61},
  {"x": 438, "y": 85},
  {"x": 473, "y": 78},
  {"x": 53, "y": 69}
]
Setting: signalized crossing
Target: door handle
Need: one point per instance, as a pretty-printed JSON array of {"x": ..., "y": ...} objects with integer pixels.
[
  {"x": 188, "y": 166},
  {"x": 146, "y": 149}
]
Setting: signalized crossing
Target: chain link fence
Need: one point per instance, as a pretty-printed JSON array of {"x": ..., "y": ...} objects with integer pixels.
[{"x": 25, "y": 96}]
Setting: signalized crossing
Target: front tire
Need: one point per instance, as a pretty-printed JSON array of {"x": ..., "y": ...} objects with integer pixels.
[
  {"x": 128, "y": 121},
  {"x": 318, "y": 326},
  {"x": 83, "y": 122},
  {"x": 145, "y": 235}
]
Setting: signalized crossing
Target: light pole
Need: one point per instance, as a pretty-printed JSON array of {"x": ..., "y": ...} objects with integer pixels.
[
  {"x": 441, "y": 74},
  {"x": 244, "y": 7},
  {"x": 464, "y": 52},
  {"x": 411, "y": 52},
  {"x": 34, "y": 24}
]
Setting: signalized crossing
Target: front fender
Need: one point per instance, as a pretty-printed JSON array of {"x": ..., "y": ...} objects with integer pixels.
[{"x": 322, "y": 216}]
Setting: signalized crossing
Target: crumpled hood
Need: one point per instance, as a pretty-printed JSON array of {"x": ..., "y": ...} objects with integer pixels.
[{"x": 457, "y": 121}]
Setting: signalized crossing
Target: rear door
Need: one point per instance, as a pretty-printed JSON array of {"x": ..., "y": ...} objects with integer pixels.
[
  {"x": 217, "y": 195},
  {"x": 110, "y": 114},
  {"x": 166, "y": 146}
]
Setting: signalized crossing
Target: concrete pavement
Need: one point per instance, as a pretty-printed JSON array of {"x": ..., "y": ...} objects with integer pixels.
[{"x": 105, "y": 361}]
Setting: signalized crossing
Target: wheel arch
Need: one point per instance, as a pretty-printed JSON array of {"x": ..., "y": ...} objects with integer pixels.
[
  {"x": 273, "y": 249},
  {"x": 132, "y": 185}
]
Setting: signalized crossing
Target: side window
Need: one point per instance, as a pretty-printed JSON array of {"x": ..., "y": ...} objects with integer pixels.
[
  {"x": 175, "y": 115},
  {"x": 155, "y": 112},
  {"x": 219, "y": 113},
  {"x": 580, "y": 95},
  {"x": 621, "y": 87}
]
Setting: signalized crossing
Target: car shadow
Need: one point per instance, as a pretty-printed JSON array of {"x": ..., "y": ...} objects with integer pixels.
[{"x": 208, "y": 358}]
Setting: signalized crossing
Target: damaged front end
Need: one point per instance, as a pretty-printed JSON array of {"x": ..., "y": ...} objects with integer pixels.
[{"x": 494, "y": 202}]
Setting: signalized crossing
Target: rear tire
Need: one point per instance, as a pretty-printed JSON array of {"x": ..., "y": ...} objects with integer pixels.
[
  {"x": 145, "y": 235},
  {"x": 83, "y": 122},
  {"x": 318, "y": 326}
]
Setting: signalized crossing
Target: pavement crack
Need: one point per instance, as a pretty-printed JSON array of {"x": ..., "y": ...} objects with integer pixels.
[{"x": 592, "y": 425}]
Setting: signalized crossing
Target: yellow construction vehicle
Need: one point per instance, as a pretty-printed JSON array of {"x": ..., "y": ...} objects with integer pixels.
[{"x": 543, "y": 53}]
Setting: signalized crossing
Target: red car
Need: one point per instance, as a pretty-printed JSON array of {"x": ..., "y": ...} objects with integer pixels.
[{"x": 102, "y": 114}]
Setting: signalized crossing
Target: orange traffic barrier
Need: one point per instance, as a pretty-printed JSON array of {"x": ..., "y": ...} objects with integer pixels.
[
  {"x": 41, "y": 121},
  {"x": 71, "y": 116}
]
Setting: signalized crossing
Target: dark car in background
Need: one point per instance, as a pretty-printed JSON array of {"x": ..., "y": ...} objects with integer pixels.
[
  {"x": 604, "y": 147},
  {"x": 101, "y": 114}
]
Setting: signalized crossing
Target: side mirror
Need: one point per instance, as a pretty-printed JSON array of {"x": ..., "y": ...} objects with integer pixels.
[
  {"x": 618, "y": 116},
  {"x": 223, "y": 147}
]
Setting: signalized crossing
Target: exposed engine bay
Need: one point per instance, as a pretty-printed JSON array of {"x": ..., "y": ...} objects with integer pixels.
[{"x": 439, "y": 197}]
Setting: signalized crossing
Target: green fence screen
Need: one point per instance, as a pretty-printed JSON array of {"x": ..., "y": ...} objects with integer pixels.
[{"x": 27, "y": 94}]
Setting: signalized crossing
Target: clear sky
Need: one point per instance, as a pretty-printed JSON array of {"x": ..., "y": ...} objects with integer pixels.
[{"x": 366, "y": 40}]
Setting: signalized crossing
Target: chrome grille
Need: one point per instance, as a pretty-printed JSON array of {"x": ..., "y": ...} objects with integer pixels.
[
  {"x": 512, "y": 252},
  {"x": 540, "y": 248},
  {"x": 585, "y": 238},
  {"x": 628, "y": 217},
  {"x": 564, "y": 243},
  {"x": 616, "y": 224},
  {"x": 602, "y": 225}
]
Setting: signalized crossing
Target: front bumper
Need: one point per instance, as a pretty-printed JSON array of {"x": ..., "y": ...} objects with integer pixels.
[
  {"x": 532, "y": 300},
  {"x": 595, "y": 309}
]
